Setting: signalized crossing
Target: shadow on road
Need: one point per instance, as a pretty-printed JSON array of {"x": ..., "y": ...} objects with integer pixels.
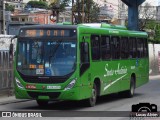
[{"x": 78, "y": 105}]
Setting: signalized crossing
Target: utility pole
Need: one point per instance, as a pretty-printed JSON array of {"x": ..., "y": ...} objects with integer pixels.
[
  {"x": 4, "y": 19},
  {"x": 57, "y": 12},
  {"x": 1, "y": 17}
]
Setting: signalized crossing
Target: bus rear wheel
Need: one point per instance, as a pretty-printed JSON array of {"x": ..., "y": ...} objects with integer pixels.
[
  {"x": 42, "y": 103},
  {"x": 92, "y": 100},
  {"x": 131, "y": 91}
]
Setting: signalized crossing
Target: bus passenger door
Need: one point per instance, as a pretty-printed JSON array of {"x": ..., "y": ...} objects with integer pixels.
[{"x": 85, "y": 75}]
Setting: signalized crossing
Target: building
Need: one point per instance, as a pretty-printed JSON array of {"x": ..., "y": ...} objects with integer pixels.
[
  {"x": 158, "y": 13},
  {"x": 148, "y": 12},
  {"x": 48, "y": 1},
  {"x": 38, "y": 17},
  {"x": 18, "y": 4},
  {"x": 66, "y": 15}
]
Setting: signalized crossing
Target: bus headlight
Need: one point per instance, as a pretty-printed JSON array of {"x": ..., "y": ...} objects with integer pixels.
[
  {"x": 18, "y": 83},
  {"x": 71, "y": 84}
]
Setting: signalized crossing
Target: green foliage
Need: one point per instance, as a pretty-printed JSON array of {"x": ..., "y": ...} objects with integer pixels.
[
  {"x": 91, "y": 11},
  {"x": 59, "y": 6},
  {"x": 38, "y": 4},
  {"x": 94, "y": 12},
  {"x": 9, "y": 7},
  {"x": 154, "y": 30}
]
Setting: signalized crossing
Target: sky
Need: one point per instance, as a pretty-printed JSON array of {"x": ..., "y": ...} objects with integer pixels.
[{"x": 153, "y": 2}]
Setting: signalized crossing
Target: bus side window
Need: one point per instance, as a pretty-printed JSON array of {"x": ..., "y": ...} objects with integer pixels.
[
  {"x": 105, "y": 48},
  {"x": 115, "y": 44},
  {"x": 84, "y": 57},
  {"x": 145, "y": 47},
  {"x": 84, "y": 52},
  {"x": 95, "y": 46},
  {"x": 140, "y": 47},
  {"x": 132, "y": 48},
  {"x": 124, "y": 48}
]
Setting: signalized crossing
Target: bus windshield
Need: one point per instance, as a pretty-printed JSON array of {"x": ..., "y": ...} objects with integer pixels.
[{"x": 39, "y": 57}]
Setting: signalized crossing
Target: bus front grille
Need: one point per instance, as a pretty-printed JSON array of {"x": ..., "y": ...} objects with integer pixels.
[{"x": 52, "y": 95}]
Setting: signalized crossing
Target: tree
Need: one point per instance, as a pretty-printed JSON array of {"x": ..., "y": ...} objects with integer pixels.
[
  {"x": 146, "y": 13},
  {"x": 58, "y": 6},
  {"x": 153, "y": 29},
  {"x": 37, "y": 4},
  {"x": 9, "y": 7},
  {"x": 86, "y": 11},
  {"x": 148, "y": 23}
]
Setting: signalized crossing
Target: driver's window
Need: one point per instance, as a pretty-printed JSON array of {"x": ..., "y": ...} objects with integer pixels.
[
  {"x": 84, "y": 52},
  {"x": 37, "y": 51}
]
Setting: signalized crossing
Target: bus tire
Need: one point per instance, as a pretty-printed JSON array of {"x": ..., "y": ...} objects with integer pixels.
[
  {"x": 131, "y": 91},
  {"x": 92, "y": 100},
  {"x": 42, "y": 103}
]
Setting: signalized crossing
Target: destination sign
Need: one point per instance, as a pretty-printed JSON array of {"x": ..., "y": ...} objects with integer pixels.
[{"x": 47, "y": 33}]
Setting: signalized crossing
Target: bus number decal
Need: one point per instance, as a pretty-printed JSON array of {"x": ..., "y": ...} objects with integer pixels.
[{"x": 39, "y": 71}]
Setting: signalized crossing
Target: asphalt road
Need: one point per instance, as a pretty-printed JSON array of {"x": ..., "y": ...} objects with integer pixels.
[{"x": 149, "y": 92}]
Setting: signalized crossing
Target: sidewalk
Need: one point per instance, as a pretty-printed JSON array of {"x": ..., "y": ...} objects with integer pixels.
[
  {"x": 5, "y": 98},
  {"x": 154, "y": 77}
]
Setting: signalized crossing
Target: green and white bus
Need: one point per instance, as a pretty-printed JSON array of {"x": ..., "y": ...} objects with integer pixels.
[{"x": 79, "y": 62}]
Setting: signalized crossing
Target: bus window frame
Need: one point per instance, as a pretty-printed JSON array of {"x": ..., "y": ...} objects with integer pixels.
[
  {"x": 126, "y": 46},
  {"x": 83, "y": 64},
  {"x": 99, "y": 40},
  {"x": 107, "y": 59},
  {"x": 146, "y": 46},
  {"x": 141, "y": 52},
  {"x": 111, "y": 40},
  {"x": 133, "y": 52}
]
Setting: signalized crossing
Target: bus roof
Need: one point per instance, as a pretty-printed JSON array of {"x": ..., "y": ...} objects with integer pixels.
[
  {"x": 89, "y": 26},
  {"x": 98, "y": 28}
]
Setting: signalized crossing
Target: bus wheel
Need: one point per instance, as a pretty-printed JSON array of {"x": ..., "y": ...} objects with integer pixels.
[
  {"x": 92, "y": 100},
  {"x": 130, "y": 92},
  {"x": 42, "y": 103}
]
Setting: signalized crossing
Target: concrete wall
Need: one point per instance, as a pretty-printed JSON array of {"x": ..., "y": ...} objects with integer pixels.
[{"x": 153, "y": 58}]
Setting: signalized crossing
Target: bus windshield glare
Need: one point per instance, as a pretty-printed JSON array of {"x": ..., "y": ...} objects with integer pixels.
[{"x": 41, "y": 57}]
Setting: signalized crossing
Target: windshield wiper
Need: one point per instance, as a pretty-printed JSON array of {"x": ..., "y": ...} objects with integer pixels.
[{"x": 54, "y": 50}]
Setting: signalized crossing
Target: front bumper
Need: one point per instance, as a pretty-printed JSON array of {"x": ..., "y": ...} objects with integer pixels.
[{"x": 72, "y": 94}]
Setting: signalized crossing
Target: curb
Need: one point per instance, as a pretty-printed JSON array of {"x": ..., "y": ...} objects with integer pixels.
[
  {"x": 9, "y": 102},
  {"x": 11, "y": 99}
]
